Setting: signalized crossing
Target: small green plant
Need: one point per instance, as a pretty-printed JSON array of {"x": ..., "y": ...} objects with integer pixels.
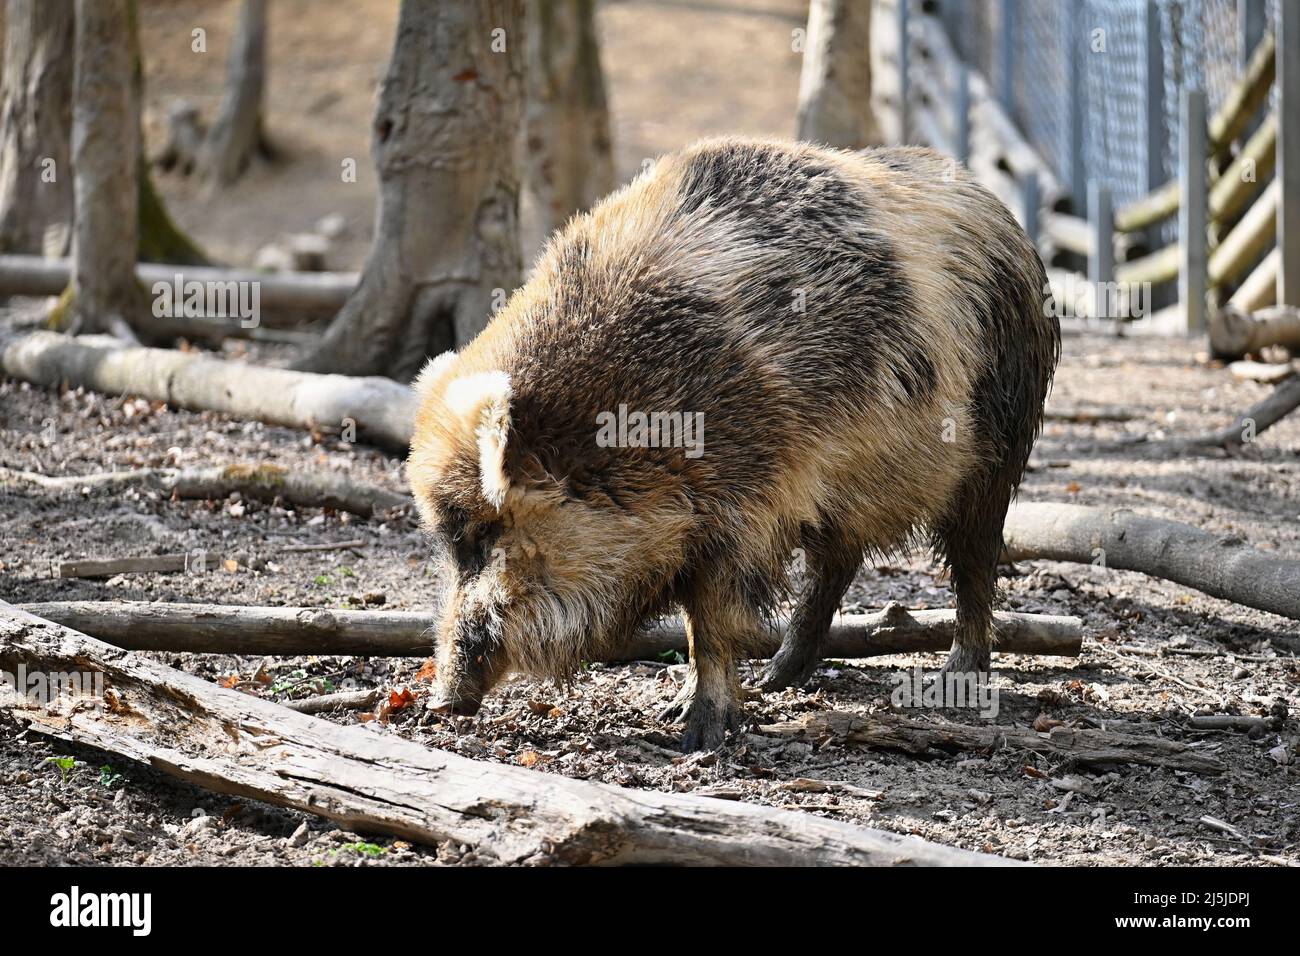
[
  {"x": 346, "y": 571},
  {"x": 671, "y": 657},
  {"x": 322, "y": 580},
  {"x": 109, "y": 778},
  {"x": 371, "y": 850},
  {"x": 287, "y": 682},
  {"x": 66, "y": 765}
]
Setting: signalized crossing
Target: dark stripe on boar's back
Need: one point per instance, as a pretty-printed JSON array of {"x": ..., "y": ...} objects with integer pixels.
[
  {"x": 653, "y": 347},
  {"x": 858, "y": 325}
]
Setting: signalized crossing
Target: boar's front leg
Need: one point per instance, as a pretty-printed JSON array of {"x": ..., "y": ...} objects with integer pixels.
[{"x": 716, "y": 627}]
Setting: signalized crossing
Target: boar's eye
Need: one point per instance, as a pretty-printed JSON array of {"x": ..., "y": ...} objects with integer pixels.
[{"x": 472, "y": 547}]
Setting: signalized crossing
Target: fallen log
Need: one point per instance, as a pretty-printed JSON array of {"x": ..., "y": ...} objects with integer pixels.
[
  {"x": 295, "y": 291},
  {"x": 1234, "y": 332},
  {"x": 1089, "y": 748},
  {"x": 265, "y": 482},
  {"x": 213, "y": 628},
  {"x": 1221, "y": 566},
  {"x": 236, "y": 744},
  {"x": 381, "y": 410},
  {"x": 1246, "y": 427}
]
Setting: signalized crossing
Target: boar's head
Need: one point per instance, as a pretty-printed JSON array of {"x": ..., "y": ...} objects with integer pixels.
[{"x": 536, "y": 578}]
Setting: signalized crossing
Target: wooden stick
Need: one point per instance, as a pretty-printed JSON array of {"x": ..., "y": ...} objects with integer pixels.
[
  {"x": 236, "y": 744},
  {"x": 326, "y": 546},
  {"x": 1230, "y": 722},
  {"x": 888, "y": 731},
  {"x": 344, "y": 700},
  {"x": 381, "y": 409},
  {"x": 1218, "y": 565},
  {"x": 212, "y": 628},
  {"x": 155, "y": 564},
  {"x": 265, "y": 482}
]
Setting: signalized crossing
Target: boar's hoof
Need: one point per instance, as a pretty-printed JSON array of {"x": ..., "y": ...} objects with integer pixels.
[
  {"x": 966, "y": 660},
  {"x": 789, "y": 668},
  {"x": 677, "y": 710}
]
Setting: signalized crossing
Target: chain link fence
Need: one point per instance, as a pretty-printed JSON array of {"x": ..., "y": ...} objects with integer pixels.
[{"x": 1114, "y": 118}]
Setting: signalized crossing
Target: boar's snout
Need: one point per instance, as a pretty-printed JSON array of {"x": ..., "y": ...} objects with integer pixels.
[{"x": 460, "y": 707}]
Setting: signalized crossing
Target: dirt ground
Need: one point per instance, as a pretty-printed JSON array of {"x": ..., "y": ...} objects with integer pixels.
[{"x": 1216, "y": 657}]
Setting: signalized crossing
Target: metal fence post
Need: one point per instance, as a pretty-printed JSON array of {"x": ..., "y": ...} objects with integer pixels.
[
  {"x": 1250, "y": 29},
  {"x": 1155, "y": 100},
  {"x": 1101, "y": 259},
  {"x": 1007, "y": 57},
  {"x": 1074, "y": 65},
  {"x": 904, "y": 64},
  {"x": 1288, "y": 151},
  {"x": 1193, "y": 262},
  {"x": 963, "y": 113}
]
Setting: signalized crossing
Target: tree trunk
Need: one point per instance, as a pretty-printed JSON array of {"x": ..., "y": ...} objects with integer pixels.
[
  {"x": 835, "y": 85},
  {"x": 35, "y": 119},
  {"x": 161, "y": 240},
  {"x": 446, "y": 248},
  {"x": 568, "y": 162},
  {"x": 237, "y": 132},
  {"x": 104, "y": 294}
]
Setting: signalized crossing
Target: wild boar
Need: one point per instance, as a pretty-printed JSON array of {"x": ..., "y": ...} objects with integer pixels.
[{"x": 753, "y": 350}]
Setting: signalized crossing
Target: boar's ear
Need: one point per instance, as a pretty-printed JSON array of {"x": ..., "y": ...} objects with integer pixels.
[
  {"x": 432, "y": 371},
  {"x": 483, "y": 400}
]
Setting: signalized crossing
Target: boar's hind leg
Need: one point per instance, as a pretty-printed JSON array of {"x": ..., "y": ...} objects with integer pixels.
[
  {"x": 709, "y": 700},
  {"x": 833, "y": 569},
  {"x": 972, "y": 541}
]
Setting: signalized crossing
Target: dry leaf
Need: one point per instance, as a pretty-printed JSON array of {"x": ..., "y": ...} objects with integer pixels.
[
  {"x": 229, "y": 682},
  {"x": 1036, "y": 773},
  {"x": 528, "y": 758},
  {"x": 231, "y": 565},
  {"x": 1074, "y": 487},
  {"x": 428, "y": 670},
  {"x": 1043, "y": 723},
  {"x": 540, "y": 707}
]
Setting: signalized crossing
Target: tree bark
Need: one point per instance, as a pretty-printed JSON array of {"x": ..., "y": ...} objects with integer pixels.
[
  {"x": 446, "y": 243},
  {"x": 1221, "y": 566},
  {"x": 568, "y": 159},
  {"x": 237, "y": 132},
  {"x": 835, "y": 83},
  {"x": 35, "y": 121},
  {"x": 381, "y": 410},
  {"x": 219, "y": 629},
  {"x": 237, "y": 744},
  {"x": 104, "y": 295}
]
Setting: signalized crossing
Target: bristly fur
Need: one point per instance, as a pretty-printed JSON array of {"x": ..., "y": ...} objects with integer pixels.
[{"x": 866, "y": 338}]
